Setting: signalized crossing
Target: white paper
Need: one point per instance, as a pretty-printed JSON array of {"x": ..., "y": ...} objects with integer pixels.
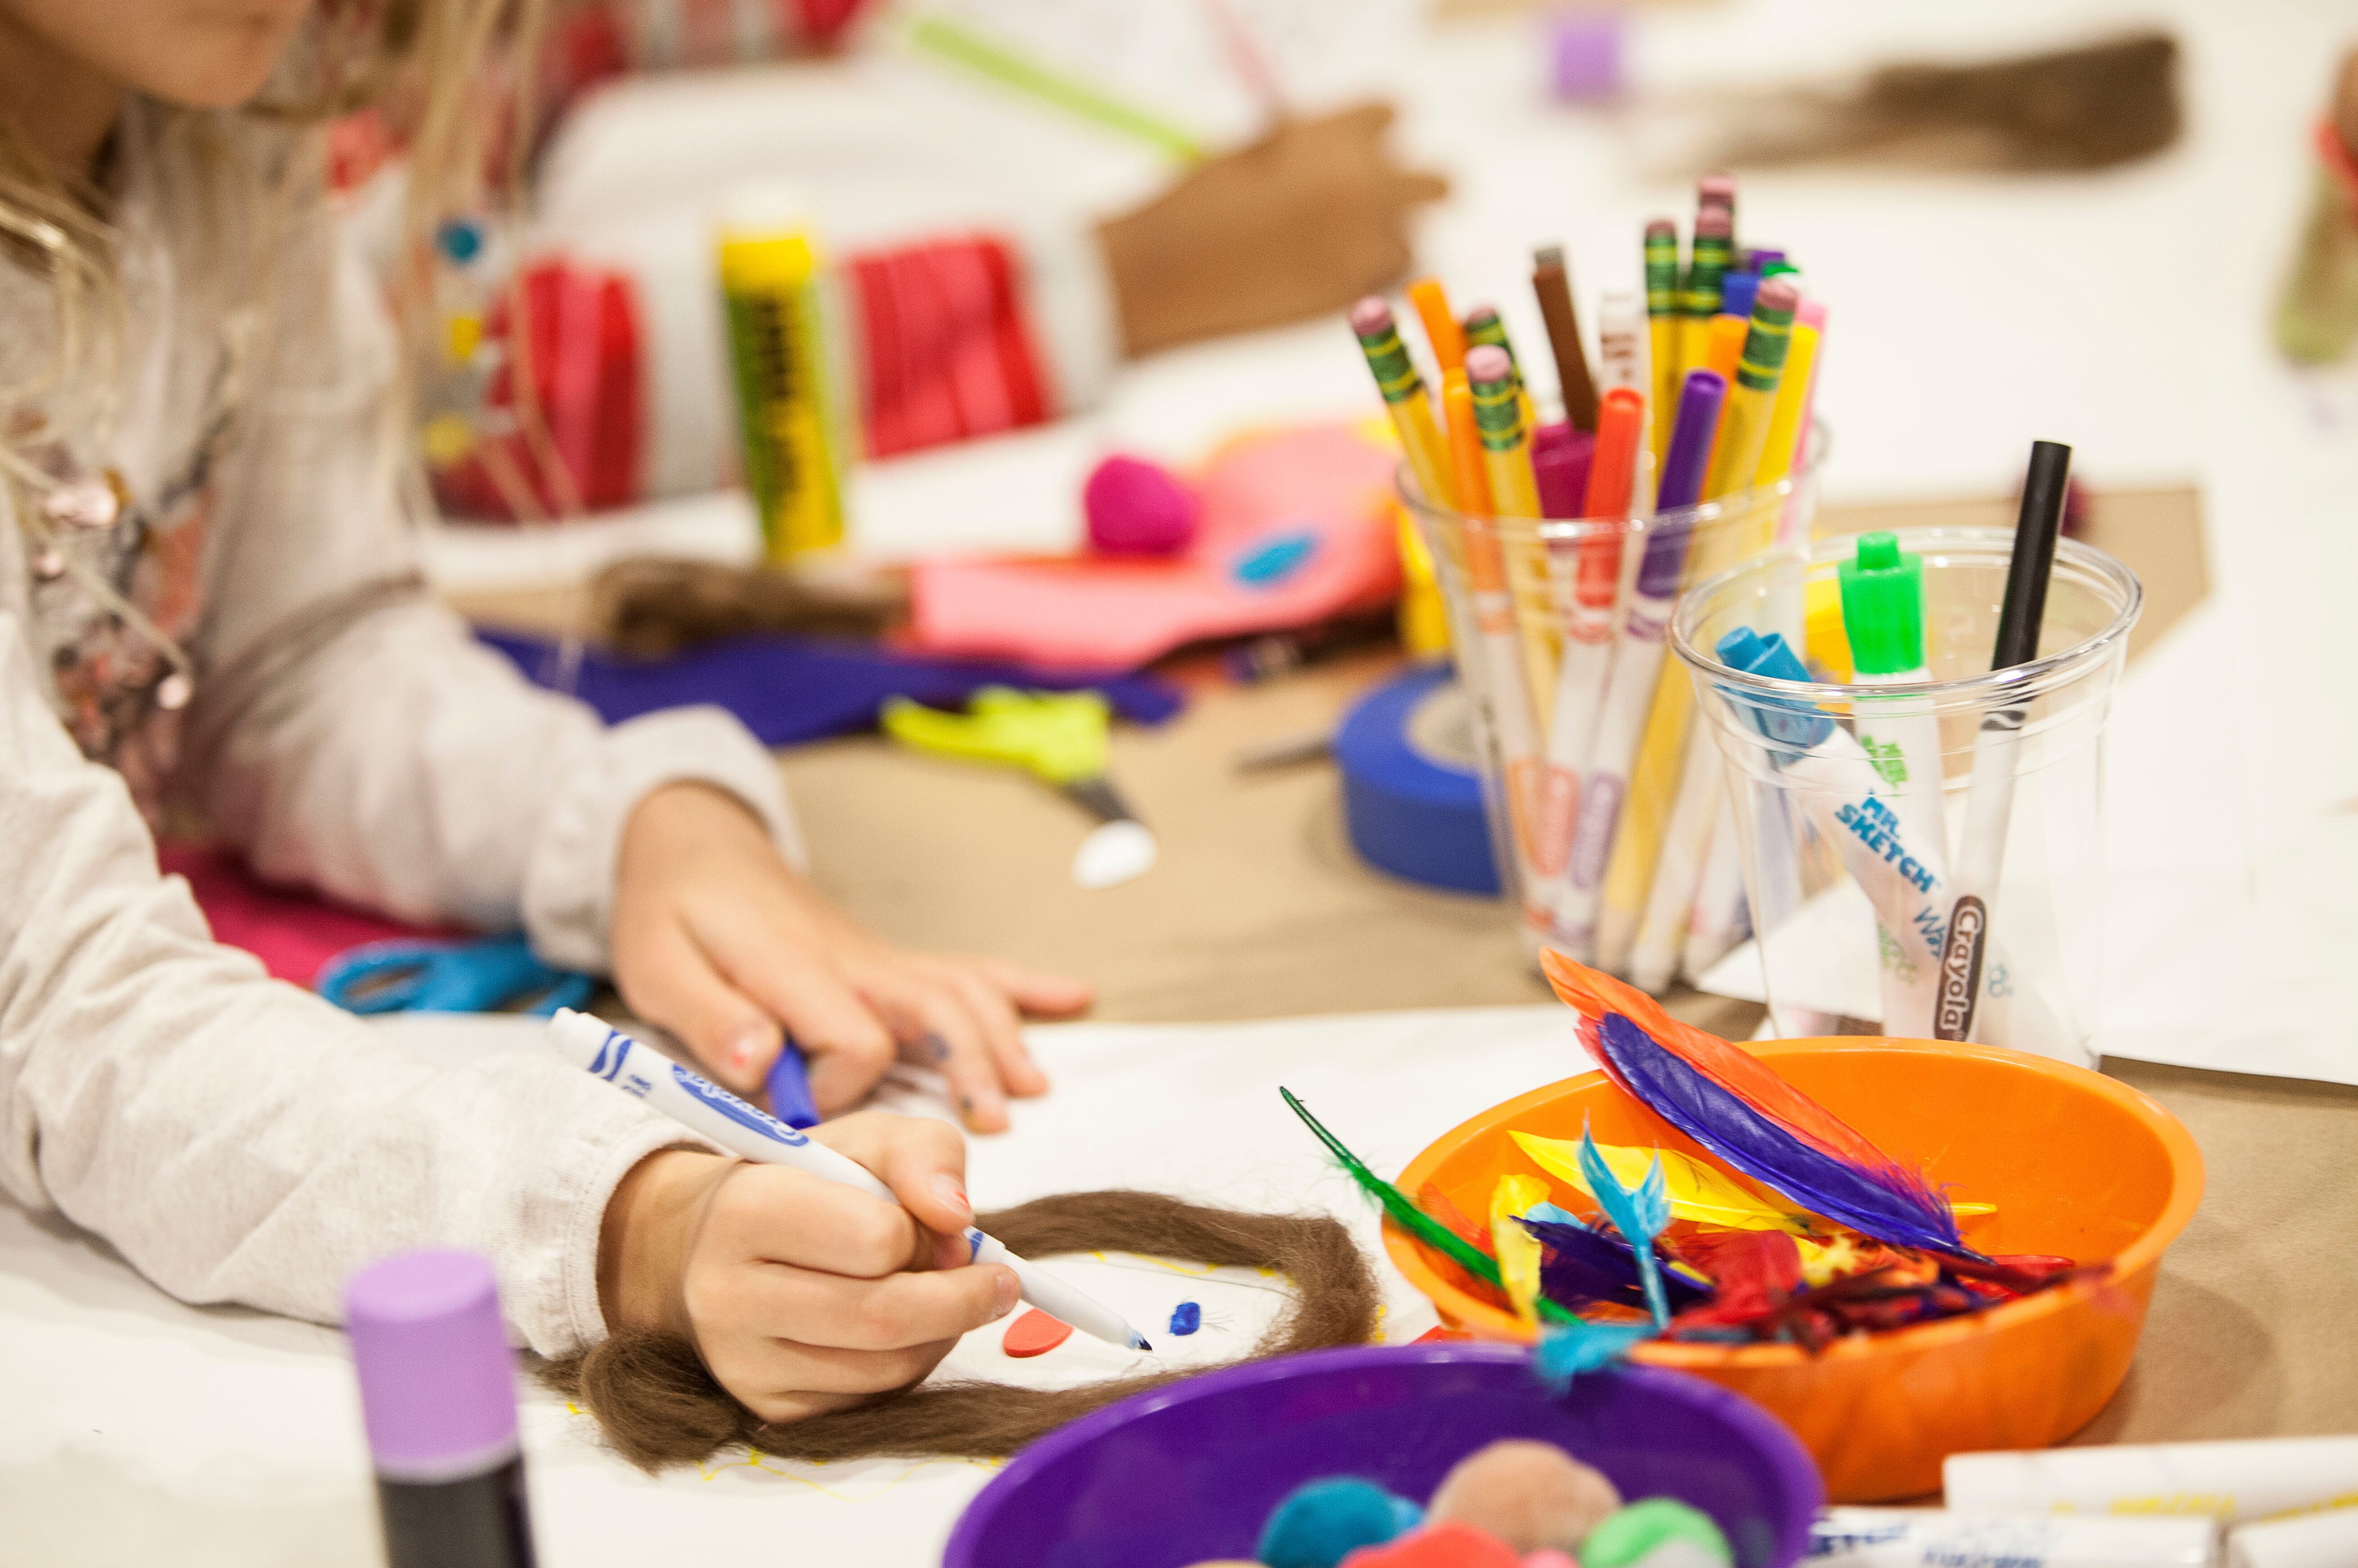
[{"x": 137, "y": 1428}]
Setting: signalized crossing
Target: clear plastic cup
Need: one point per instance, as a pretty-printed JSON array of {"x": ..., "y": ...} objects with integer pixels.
[
  {"x": 1869, "y": 812},
  {"x": 1581, "y": 713}
]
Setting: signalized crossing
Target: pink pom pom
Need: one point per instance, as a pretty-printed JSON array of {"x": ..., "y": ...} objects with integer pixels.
[{"x": 1138, "y": 508}]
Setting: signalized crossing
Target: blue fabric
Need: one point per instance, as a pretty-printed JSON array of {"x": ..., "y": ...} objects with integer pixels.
[{"x": 787, "y": 690}]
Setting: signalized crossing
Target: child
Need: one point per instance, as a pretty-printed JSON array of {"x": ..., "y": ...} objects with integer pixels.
[{"x": 210, "y": 601}]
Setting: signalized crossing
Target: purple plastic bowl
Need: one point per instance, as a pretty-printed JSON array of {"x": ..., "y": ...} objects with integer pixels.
[{"x": 1189, "y": 1472}]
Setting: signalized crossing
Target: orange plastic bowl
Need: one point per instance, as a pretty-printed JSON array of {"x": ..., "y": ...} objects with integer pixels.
[{"x": 2076, "y": 1163}]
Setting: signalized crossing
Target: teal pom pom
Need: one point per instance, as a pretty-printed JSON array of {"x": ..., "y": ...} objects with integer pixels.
[{"x": 1321, "y": 1522}]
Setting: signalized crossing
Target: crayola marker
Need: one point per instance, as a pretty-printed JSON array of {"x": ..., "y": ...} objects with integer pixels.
[
  {"x": 1514, "y": 495},
  {"x": 1606, "y": 797},
  {"x": 1663, "y": 307},
  {"x": 789, "y": 403},
  {"x": 1404, "y": 400},
  {"x": 1663, "y": 929},
  {"x": 1588, "y": 634}
]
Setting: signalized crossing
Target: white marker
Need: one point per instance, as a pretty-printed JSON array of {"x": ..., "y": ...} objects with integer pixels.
[
  {"x": 1930, "y": 1538},
  {"x": 2253, "y": 1478},
  {"x": 710, "y": 1111}
]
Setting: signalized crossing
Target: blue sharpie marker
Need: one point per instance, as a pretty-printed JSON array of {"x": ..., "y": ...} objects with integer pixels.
[{"x": 712, "y": 1112}]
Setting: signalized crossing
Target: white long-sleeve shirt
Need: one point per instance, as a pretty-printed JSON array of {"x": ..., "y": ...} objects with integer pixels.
[{"x": 236, "y": 1138}]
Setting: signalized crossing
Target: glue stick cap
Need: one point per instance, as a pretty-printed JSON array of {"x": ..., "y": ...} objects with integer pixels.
[
  {"x": 1883, "y": 606},
  {"x": 437, "y": 1380}
]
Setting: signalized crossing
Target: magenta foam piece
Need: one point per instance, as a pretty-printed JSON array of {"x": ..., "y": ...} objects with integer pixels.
[
  {"x": 437, "y": 1380},
  {"x": 1138, "y": 508},
  {"x": 1585, "y": 55}
]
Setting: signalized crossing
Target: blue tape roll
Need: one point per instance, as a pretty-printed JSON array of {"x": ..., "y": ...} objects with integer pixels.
[{"x": 1411, "y": 813}]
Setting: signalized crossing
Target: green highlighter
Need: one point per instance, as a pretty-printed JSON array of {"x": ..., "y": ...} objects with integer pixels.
[{"x": 1059, "y": 738}]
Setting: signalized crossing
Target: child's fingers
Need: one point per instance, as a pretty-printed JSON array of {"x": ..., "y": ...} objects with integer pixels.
[
  {"x": 921, "y": 1158},
  {"x": 779, "y": 1380},
  {"x": 729, "y": 1033},
  {"x": 1038, "y": 993},
  {"x": 768, "y": 1214},
  {"x": 1002, "y": 1031},
  {"x": 927, "y": 1012},
  {"x": 848, "y": 1046},
  {"x": 897, "y": 1314}
]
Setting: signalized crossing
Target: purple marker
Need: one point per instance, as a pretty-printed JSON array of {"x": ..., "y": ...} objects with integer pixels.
[
  {"x": 437, "y": 1397},
  {"x": 1637, "y": 665}
]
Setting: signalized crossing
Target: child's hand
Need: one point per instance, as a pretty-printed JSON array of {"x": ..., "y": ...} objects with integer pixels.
[
  {"x": 717, "y": 939},
  {"x": 803, "y": 1296},
  {"x": 1302, "y": 222}
]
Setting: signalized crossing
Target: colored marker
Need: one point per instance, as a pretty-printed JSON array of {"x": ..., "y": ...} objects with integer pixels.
[
  {"x": 1934, "y": 1538},
  {"x": 712, "y": 1112},
  {"x": 1512, "y": 709},
  {"x": 1849, "y": 806},
  {"x": 1723, "y": 350},
  {"x": 1404, "y": 400},
  {"x": 1663, "y": 308},
  {"x": 1621, "y": 339},
  {"x": 437, "y": 1399},
  {"x": 1883, "y": 620},
  {"x": 790, "y": 1090},
  {"x": 1589, "y": 636},
  {"x": 1552, "y": 285},
  {"x": 1700, "y": 302},
  {"x": 1600, "y": 832},
  {"x": 1737, "y": 289},
  {"x": 1440, "y": 329},
  {"x": 1675, "y": 892},
  {"x": 1989, "y": 807},
  {"x": 1514, "y": 494}
]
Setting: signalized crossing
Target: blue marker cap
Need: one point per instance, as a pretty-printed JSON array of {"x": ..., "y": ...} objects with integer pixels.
[
  {"x": 1788, "y": 721},
  {"x": 790, "y": 1090},
  {"x": 1736, "y": 290}
]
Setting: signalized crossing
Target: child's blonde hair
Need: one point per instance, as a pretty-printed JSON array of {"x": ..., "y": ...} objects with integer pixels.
[{"x": 438, "y": 67}]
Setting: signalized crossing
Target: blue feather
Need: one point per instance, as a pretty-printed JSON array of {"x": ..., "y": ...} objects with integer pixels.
[
  {"x": 1762, "y": 1150},
  {"x": 1640, "y": 1216},
  {"x": 1564, "y": 1352}
]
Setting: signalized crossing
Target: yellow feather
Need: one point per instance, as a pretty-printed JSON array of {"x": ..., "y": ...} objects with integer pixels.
[
  {"x": 1702, "y": 1193},
  {"x": 1517, "y": 1249}
]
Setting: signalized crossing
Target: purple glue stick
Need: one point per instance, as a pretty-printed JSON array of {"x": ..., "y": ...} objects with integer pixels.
[{"x": 438, "y": 1396}]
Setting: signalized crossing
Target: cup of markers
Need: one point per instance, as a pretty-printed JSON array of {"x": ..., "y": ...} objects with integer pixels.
[{"x": 1921, "y": 822}]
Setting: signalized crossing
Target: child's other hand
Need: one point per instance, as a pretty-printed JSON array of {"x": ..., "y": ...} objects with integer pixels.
[
  {"x": 1301, "y": 223},
  {"x": 717, "y": 939},
  {"x": 803, "y": 1296}
]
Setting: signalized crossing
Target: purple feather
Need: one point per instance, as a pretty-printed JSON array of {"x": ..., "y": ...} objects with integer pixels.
[
  {"x": 1584, "y": 1265},
  {"x": 1760, "y": 1149}
]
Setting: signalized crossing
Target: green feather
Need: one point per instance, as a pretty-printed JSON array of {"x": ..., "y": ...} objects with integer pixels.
[{"x": 1413, "y": 1220}]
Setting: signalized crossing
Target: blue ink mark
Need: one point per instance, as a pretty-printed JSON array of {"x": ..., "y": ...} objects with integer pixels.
[{"x": 1186, "y": 1318}]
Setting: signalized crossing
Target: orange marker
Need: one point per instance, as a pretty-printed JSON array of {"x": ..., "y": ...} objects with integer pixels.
[
  {"x": 1465, "y": 469},
  {"x": 1440, "y": 328}
]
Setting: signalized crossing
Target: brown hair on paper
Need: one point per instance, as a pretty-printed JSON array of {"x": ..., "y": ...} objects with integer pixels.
[{"x": 658, "y": 1406}]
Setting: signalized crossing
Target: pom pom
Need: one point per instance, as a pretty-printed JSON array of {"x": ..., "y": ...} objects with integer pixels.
[
  {"x": 1657, "y": 1533},
  {"x": 1321, "y": 1522},
  {"x": 1138, "y": 508},
  {"x": 1529, "y": 1495},
  {"x": 1438, "y": 1546}
]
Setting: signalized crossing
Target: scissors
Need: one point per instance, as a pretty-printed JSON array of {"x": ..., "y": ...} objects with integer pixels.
[
  {"x": 486, "y": 976},
  {"x": 500, "y": 973}
]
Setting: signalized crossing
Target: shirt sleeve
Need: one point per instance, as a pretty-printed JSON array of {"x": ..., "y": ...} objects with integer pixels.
[
  {"x": 237, "y": 1139},
  {"x": 348, "y": 732}
]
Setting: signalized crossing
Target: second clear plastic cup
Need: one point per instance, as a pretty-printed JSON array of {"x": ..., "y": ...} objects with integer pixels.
[{"x": 1921, "y": 860}]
